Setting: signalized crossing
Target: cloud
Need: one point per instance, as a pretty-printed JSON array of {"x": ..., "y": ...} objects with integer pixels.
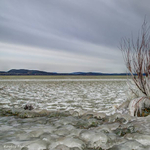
[
  {"x": 73, "y": 29},
  {"x": 51, "y": 59}
]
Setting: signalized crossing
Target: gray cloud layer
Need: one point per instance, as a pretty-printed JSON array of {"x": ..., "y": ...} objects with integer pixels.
[{"x": 78, "y": 27}]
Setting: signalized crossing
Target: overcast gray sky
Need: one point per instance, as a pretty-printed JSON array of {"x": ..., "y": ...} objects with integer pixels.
[{"x": 67, "y": 35}]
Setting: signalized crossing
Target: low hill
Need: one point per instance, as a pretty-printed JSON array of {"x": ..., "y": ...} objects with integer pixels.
[
  {"x": 37, "y": 72},
  {"x": 26, "y": 72}
]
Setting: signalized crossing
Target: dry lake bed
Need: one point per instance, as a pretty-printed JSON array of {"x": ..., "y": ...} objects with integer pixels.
[{"x": 70, "y": 113}]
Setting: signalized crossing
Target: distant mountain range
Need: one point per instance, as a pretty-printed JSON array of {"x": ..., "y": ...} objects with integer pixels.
[{"x": 37, "y": 72}]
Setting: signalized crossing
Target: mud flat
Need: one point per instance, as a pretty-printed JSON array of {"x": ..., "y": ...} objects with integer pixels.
[
  {"x": 72, "y": 130},
  {"x": 68, "y": 114}
]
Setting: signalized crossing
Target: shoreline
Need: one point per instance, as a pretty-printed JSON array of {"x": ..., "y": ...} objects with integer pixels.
[{"x": 64, "y": 77}]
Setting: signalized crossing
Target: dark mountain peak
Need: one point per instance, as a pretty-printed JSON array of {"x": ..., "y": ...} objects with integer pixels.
[
  {"x": 28, "y": 72},
  {"x": 18, "y": 70}
]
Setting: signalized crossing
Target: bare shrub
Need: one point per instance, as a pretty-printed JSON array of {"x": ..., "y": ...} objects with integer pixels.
[{"x": 136, "y": 55}]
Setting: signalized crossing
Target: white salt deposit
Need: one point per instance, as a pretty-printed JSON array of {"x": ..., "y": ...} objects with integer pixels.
[{"x": 89, "y": 94}]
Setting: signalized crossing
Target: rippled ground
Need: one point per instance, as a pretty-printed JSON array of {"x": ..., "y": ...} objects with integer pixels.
[
  {"x": 63, "y": 94},
  {"x": 69, "y": 114}
]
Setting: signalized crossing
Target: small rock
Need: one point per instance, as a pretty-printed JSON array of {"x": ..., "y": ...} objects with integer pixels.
[{"x": 28, "y": 107}]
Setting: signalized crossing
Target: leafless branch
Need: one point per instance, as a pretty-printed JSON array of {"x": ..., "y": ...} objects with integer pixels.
[{"x": 136, "y": 54}]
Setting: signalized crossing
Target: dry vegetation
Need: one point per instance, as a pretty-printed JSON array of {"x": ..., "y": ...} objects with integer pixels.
[{"x": 136, "y": 54}]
